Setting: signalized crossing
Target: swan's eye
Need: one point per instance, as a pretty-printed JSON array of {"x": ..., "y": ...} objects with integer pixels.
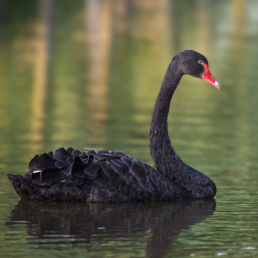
[{"x": 200, "y": 61}]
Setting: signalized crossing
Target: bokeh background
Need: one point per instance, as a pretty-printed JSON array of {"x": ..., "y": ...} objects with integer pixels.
[{"x": 85, "y": 74}]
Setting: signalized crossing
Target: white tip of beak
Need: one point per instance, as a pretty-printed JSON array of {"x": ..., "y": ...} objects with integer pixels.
[{"x": 216, "y": 84}]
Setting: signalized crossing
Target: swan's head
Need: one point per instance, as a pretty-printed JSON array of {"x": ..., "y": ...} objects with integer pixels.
[{"x": 193, "y": 63}]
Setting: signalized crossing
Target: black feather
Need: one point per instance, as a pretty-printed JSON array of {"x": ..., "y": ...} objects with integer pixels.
[
  {"x": 127, "y": 179},
  {"x": 119, "y": 166},
  {"x": 50, "y": 154},
  {"x": 133, "y": 181},
  {"x": 68, "y": 170},
  {"x": 50, "y": 176},
  {"x": 61, "y": 154},
  {"x": 152, "y": 184},
  {"x": 75, "y": 153},
  {"x": 121, "y": 187},
  {"x": 119, "y": 153},
  {"x": 127, "y": 161},
  {"x": 92, "y": 168},
  {"x": 91, "y": 152},
  {"x": 137, "y": 170},
  {"x": 60, "y": 164},
  {"x": 141, "y": 195},
  {"x": 32, "y": 163},
  {"x": 102, "y": 181},
  {"x": 116, "y": 181},
  {"x": 70, "y": 160},
  {"x": 69, "y": 150},
  {"x": 106, "y": 169},
  {"x": 143, "y": 183},
  {"x": 128, "y": 189},
  {"x": 44, "y": 161}
]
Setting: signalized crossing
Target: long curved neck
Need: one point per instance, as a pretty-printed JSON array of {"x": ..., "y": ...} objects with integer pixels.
[{"x": 162, "y": 152}]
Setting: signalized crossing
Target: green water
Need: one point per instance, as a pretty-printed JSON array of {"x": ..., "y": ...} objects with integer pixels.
[{"x": 86, "y": 74}]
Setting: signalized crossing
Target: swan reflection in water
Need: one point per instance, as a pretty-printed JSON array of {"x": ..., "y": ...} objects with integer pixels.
[{"x": 74, "y": 224}]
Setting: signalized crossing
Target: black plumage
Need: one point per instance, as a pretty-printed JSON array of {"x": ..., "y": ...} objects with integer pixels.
[{"x": 113, "y": 176}]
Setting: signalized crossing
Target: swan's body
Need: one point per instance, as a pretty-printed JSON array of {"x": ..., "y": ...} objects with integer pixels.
[{"x": 112, "y": 176}]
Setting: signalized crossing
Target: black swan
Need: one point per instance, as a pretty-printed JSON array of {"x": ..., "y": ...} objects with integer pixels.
[{"x": 112, "y": 176}]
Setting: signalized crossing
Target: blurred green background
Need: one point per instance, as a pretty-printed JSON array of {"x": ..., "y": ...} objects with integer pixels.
[{"x": 86, "y": 74}]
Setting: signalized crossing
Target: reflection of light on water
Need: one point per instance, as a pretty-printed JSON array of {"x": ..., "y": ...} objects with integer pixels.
[
  {"x": 98, "y": 34},
  {"x": 42, "y": 57},
  {"x": 249, "y": 247}
]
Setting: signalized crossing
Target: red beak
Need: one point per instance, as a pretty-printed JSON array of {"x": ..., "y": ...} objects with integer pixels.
[{"x": 207, "y": 76}]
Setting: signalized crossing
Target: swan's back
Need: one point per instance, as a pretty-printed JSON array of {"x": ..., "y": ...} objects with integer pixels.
[{"x": 93, "y": 176}]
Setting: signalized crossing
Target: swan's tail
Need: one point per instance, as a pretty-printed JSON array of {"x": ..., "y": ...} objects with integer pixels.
[{"x": 22, "y": 185}]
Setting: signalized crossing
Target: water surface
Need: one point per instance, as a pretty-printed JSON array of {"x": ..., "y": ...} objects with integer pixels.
[{"x": 86, "y": 74}]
